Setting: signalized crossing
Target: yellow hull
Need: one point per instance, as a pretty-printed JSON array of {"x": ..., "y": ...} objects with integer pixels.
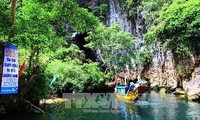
[{"x": 130, "y": 96}]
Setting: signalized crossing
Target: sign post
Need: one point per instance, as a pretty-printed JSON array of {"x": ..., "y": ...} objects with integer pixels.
[{"x": 9, "y": 84}]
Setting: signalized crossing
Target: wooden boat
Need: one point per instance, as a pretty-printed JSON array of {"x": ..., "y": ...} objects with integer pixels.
[{"x": 122, "y": 94}]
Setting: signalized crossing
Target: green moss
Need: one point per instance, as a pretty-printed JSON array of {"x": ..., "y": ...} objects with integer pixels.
[{"x": 162, "y": 91}]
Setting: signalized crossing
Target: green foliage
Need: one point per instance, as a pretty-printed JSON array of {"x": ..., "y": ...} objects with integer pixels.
[
  {"x": 115, "y": 45},
  {"x": 178, "y": 25},
  {"x": 72, "y": 52},
  {"x": 153, "y": 8},
  {"x": 130, "y": 7},
  {"x": 101, "y": 11},
  {"x": 5, "y": 26},
  {"x": 33, "y": 26},
  {"x": 181, "y": 70},
  {"x": 79, "y": 18},
  {"x": 39, "y": 31},
  {"x": 40, "y": 89},
  {"x": 76, "y": 73},
  {"x": 143, "y": 57}
]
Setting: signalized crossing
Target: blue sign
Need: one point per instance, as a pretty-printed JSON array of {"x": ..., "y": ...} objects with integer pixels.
[{"x": 9, "y": 84}]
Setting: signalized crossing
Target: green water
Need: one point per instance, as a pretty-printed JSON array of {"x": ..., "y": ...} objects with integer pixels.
[{"x": 151, "y": 106}]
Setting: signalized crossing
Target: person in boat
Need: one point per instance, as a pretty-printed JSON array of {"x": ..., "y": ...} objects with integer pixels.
[
  {"x": 131, "y": 87},
  {"x": 118, "y": 83},
  {"x": 136, "y": 80}
]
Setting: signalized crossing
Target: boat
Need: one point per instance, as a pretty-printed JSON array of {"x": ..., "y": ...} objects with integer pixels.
[
  {"x": 124, "y": 81},
  {"x": 124, "y": 95}
]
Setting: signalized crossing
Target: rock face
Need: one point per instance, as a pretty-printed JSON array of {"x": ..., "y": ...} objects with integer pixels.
[
  {"x": 166, "y": 68},
  {"x": 169, "y": 71},
  {"x": 162, "y": 71},
  {"x": 134, "y": 26},
  {"x": 193, "y": 87},
  {"x": 117, "y": 16}
]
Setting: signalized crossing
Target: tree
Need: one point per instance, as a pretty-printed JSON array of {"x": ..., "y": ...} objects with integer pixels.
[
  {"x": 114, "y": 44},
  {"x": 177, "y": 26}
]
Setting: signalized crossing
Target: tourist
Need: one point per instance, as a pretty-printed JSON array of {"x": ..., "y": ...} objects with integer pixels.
[{"x": 132, "y": 86}]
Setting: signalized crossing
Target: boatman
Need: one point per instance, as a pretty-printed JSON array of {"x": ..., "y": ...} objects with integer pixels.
[{"x": 132, "y": 86}]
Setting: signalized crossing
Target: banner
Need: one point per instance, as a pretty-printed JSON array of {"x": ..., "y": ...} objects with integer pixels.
[{"x": 9, "y": 84}]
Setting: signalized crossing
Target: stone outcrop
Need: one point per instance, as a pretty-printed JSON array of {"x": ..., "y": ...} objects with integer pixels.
[
  {"x": 193, "y": 87},
  {"x": 166, "y": 70},
  {"x": 162, "y": 72}
]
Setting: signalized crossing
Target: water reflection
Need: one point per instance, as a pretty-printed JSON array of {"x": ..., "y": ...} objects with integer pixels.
[
  {"x": 127, "y": 111},
  {"x": 163, "y": 107},
  {"x": 151, "y": 106},
  {"x": 193, "y": 111}
]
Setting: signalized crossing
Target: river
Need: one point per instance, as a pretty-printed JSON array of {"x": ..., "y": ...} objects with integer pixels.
[{"x": 151, "y": 106}]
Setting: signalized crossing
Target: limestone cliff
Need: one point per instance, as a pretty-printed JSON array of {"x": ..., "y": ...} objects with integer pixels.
[{"x": 166, "y": 68}]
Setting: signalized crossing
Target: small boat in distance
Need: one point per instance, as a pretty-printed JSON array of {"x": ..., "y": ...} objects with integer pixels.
[
  {"x": 123, "y": 94},
  {"x": 128, "y": 85}
]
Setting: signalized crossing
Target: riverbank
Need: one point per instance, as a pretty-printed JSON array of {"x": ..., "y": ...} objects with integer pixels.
[{"x": 180, "y": 92}]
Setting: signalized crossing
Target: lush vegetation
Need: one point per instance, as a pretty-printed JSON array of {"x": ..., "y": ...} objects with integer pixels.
[
  {"x": 114, "y": 44},
  {"x": 143, "y": 57},
  {"x": 173, "y": 23},
  {"x": 177, "y": 26},
  {"x": 40, "y": 30},
  {"x": 40, "y": 33}
]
